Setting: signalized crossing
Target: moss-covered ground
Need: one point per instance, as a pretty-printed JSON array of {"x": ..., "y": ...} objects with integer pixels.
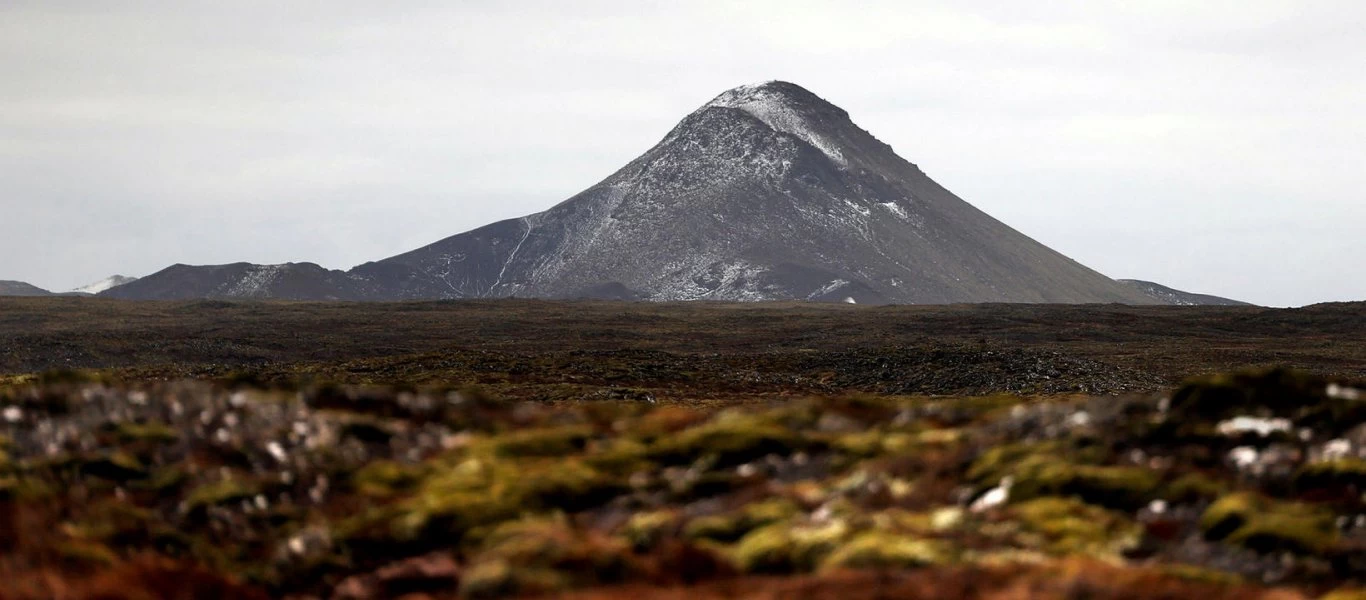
[{"x": 137, "y": 489}]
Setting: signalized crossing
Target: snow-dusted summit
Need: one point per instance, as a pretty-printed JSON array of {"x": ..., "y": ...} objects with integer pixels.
[{"x": 779, "y": 108}]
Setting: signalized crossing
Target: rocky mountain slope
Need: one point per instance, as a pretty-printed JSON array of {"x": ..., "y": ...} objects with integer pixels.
[
  {"x": 766, "y": 192},
  {"x": 289, "y": 281},
  {"x": 1165, "y": 295}
]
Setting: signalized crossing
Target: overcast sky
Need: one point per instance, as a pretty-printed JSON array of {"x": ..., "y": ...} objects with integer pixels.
[{"x": 1214, "y": 146}]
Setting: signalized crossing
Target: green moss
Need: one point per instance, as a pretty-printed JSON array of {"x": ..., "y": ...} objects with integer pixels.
[
  {"x": 1044, "y": 469},
  {"x": 529, "y": 542},
  {"x": 1266, "y": 525},
  {"x": 645, "y": 530},
  {"x": 730, "y": 439},
  {"x": 487, "y": 579},
  {"x": 70, "y": 376},
  {"x": 1202, "y": 575},
  {"x": 733, "y": 525},
  {"x": 999, "y": 461},
  {"x": 1195, "y": 487},
  {"x": 1117, "y": 487},
  {"x": 861, "y": 444},
  {"x": 1065, "y": 526},
  {"x": 620, "y": 456},
  {"x": 483, "y": 491},
  {"x": 877, "y": 442},
  {"x": 164, "y": 482},
  {"x": 24, "y": 489},
  {"x": 115, "y": 466},
  {"x": 542, "y": 555},
  {"x": 884, "y": 550},
  {"x": 113, "y": 522},
  {"x": 553, "y": 441},
  {"x": 387, "y": 478},
  {"x": 86, "y": 554},
  {"x": 787, "y": 547},
  {"x": 218, "y": 493},
  {"x": 448, "y": 509},
  {"x": 939, "y": 437},
  {"x": 151, "y": 431},
  {"x": 569, "y": 485},
  {"x": 1336, "y": 474}
]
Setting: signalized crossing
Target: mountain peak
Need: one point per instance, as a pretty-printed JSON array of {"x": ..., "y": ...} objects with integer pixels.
[
  {"x": 788, "y": 108},
  {"x": 773, "y": 91}
]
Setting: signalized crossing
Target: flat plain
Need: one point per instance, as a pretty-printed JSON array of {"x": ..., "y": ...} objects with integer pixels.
[{"x": 687, "y": 347}]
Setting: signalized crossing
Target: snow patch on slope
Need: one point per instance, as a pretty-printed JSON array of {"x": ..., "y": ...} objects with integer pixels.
[
  {"x": 895, "y": 209},
  {"x": 827, "y": 288},
  {"x": 774, "y": 109},
  {"x": 104, "y": 284},
  {"x": 256, "y": 282}
]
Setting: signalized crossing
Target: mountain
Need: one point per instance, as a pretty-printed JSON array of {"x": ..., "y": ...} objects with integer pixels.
[
  {"x": 19, "y": 288},
  {"x": 289, "y": 281},
  {"x": 1165, "y": 295},
  {"x": 103, "y": 284},
  {"x": 767, "y": 192}
]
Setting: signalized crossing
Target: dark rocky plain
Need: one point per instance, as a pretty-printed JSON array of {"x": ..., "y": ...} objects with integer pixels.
[{"x": 621, "y": 450}]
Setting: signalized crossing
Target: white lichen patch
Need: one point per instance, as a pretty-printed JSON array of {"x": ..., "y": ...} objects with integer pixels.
[
  {"x": 1261, "y": 426},
  {"x": 1342, "y": 392}
]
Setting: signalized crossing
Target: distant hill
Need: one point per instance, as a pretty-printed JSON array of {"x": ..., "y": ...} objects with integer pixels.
[
  {"x": 19, "y": 288},
  {"x": 289, "y": 281},
  {"x": 1166, "y": 295}
]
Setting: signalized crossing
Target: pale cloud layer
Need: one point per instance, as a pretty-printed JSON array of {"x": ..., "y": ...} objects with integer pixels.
[{"x": 1216, "y": 148}]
